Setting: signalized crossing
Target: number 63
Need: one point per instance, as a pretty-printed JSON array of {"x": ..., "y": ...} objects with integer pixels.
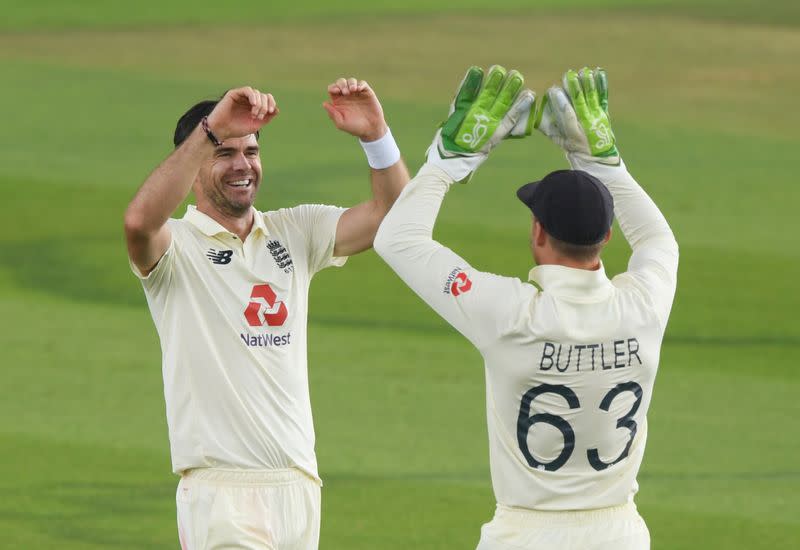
[{"x": 525, "y": 422}]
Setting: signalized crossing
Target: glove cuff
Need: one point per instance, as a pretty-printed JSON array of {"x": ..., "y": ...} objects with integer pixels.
[
  {"x": 596, "y": 165},
  {"x": 459, "y": 168}
]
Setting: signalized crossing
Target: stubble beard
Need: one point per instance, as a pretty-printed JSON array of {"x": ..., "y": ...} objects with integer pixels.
[{"x": 228, "y": 207}]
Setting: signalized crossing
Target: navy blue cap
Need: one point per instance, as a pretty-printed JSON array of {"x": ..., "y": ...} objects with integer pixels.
[{"x": 572, "y": 206}]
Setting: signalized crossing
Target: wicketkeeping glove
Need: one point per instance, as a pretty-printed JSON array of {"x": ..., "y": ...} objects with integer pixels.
[
  {"x": 575, "y": 116},
  {"x": 483, "y": 113}
]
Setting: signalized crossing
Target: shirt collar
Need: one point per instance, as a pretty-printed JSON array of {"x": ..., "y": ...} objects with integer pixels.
[
  {"x": 210, "y": 227},
  {"x": 568, "y": 282}
]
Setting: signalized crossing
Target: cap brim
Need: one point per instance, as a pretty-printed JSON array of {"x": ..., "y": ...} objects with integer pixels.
[{"x": 525, "y": 193}]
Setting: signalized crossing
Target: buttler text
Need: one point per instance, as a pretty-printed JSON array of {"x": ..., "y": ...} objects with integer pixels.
[{"x": 588, "y": 357}]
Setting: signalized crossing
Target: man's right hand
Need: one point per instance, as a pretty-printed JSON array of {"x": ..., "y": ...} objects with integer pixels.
[
  {"x": 240, "y": 112},
  {"x": 575, "y": 116},
  {"x": 483, "y": 113}
]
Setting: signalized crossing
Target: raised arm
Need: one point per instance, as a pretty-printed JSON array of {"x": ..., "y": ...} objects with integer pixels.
[
  {"x": 354, "y": 108},
  {"x": 575, "y": 116},
  {"x": 240, "y": 112},
  {"x": 483, "y": 113}
]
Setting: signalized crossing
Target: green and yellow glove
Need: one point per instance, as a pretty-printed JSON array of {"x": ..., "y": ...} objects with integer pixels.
[
  {"x": 575, "y": 116},
  {"x": 484, "y": 111}
]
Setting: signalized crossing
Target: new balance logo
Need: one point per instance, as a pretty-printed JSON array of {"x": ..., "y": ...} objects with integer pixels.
[
  {"x": 220, "y": 258},
  {"x": 280, "y": 255}
]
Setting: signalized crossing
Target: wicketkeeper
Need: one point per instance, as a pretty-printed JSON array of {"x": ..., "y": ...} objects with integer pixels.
[{"x": 571, "y": 356}]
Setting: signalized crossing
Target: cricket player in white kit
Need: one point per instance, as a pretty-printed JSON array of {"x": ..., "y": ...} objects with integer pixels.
[
  {"x": 227, "y": 287},
  {"x": 570, "y": 358}
]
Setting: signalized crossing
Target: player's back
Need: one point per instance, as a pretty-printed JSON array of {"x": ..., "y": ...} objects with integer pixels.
[{"x": 568, "y": 386}]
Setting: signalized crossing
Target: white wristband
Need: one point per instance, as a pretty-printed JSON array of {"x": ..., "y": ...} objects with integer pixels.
[{"x": 381, "y": 153}]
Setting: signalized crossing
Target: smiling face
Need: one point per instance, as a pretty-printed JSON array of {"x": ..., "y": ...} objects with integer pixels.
[{"x": 228, "y": 182}]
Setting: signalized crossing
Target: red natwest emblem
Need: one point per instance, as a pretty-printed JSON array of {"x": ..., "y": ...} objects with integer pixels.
[
  {"x": 461, "y": 284},
  {"x": 265, "y": 308}
]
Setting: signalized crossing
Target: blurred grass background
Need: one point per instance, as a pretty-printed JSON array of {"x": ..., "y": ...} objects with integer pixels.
[{"x": 702, "y": 99}]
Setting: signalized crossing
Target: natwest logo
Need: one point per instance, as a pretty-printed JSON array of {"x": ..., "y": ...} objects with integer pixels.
[
  {"x": 460, "y": 285},
  {"x": 265, "y": 308},
  {"x": 457, "y": 283}
]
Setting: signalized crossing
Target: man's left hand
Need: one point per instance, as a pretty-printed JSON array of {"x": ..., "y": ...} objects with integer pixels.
[{"x": 354, "y": 108}]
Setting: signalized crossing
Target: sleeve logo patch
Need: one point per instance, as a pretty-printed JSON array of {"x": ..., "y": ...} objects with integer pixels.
[{"x": 457, "y": 283}]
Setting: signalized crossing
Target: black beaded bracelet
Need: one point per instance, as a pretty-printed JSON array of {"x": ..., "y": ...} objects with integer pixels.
[{"x": 209, "y": 133}]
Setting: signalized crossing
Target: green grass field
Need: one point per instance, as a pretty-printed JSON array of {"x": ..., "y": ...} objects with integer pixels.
[{"x": 704, "y": 106}]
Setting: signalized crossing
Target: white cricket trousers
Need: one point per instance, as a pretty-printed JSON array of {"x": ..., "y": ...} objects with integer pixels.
[
  {"x": 248, "y": 509},
  {"x": 615, "y": 528}
]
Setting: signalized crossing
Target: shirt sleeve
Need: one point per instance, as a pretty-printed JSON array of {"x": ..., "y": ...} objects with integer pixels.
[
  {"x": 653, "y": 266},
  {"x": 317, "y": 223},
  {"x": 161, "y": 275},
  {"x": 479, "y": 305}
]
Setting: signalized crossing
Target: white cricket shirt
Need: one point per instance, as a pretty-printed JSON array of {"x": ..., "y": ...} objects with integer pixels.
[
  {"x": 231, "y": 317},
  {"x": 569, "y": 365}
]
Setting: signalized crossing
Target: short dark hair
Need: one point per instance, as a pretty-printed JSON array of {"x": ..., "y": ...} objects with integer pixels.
[
  {"x": 577, "y": 252},
  {"x": 191, "y": 118}
]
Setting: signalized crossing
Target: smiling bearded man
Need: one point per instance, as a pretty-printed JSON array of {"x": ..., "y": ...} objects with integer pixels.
[{"x": 227, "y": 287}]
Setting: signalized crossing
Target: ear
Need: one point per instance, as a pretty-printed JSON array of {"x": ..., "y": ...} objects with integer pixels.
[
  {"x": 608, "y": 236},
  {"x": 539, "y": 234}
]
